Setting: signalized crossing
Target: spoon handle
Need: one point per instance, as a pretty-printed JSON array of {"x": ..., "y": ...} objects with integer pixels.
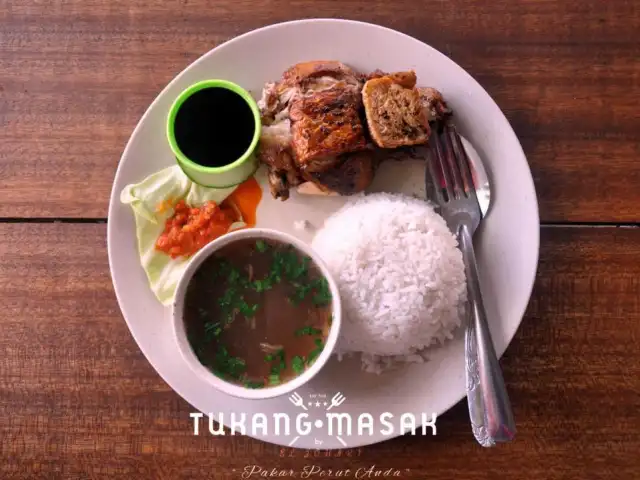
[{"x": 489, "y": 407}]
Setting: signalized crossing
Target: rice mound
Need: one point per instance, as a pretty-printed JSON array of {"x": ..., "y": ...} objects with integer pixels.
[{"x": 400, "y": 274}]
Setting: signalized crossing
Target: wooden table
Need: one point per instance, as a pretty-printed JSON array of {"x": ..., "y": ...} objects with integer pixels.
[{"x": 77, "y": 398}]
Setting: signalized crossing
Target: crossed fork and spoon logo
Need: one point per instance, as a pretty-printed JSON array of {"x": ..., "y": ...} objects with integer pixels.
[{"x": 337, "y": 400}]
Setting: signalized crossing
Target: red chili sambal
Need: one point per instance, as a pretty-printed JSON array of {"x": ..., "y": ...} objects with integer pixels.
[{"x": 191, "y": 228}]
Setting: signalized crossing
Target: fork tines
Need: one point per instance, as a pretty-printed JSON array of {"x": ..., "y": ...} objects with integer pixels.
[{"x": 449, "y": 165}]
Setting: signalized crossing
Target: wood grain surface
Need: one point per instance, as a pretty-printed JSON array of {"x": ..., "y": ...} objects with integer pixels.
[
  {"x": 77, "y": 75},
  {"x": 79, "y": 400}
]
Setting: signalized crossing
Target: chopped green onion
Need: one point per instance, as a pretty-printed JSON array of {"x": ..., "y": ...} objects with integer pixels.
[
  {"x": 323, "y": 294},
  {"x": 297, "y": 363},
  {"x": 308, "y": 330},
  {"x": 313, "y": 356},
  {"x": 261, "y": 246},
  {"x": 315, "y": 353},
  {"x": 234, "y": 276}
]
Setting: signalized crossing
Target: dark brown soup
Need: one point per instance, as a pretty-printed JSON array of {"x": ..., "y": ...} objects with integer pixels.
[
  {"x": 257, "y": 313},
  {"x": 214, "y": 127}
]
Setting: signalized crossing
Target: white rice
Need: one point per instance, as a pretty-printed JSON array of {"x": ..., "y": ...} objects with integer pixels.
[{"x": 400, "y": 274}]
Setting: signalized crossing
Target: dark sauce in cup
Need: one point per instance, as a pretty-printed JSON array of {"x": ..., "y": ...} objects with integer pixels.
[{"x": 214, "y": 127}]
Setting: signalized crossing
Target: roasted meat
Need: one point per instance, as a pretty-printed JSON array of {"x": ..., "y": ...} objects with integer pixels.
[
  {"x": 316, "y": 76},
  {"x": 394, "y": 110},
  {"x": 353, "y": 174},
  {"x": 276, "y": 152},
  {"x": 275, "y": 146},
  {"x": 310, "y": 117},
  {"x": 325, "y": 124},
  {"x": 305, "y": 79},
  {"x": 432, "y": 100},
  {"x": 314, "y": 126}
]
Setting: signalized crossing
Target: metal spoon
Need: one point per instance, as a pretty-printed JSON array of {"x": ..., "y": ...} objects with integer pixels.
[{"x": 480, "y": 177}]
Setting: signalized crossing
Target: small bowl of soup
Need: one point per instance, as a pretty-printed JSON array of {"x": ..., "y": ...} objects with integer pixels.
[{"x": 257, "y": 313}]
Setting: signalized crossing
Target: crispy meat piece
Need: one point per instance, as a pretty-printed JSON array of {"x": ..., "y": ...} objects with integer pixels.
[
  {"x": 319, "y": 75},
  {"x": 431, "y": 98},
  {"x": 314, "y": 132},
  {"x": 324, "y": 97},
  {"x": 405, "y": 79},
  {"x": 325, "y": 124},
  {"x": 352, "y": 175},
  {"x": 304, "y": 79},
  {"x": 394, "y": 111},
  {"x": 275, "y": 146},
  {"x": 275, "y": 152}
]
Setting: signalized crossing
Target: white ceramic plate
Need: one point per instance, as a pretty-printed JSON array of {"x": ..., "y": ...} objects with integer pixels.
[{"x": 507, "y": 244}]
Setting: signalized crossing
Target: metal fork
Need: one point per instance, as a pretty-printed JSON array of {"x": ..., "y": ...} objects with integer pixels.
[{"x": 453, "y": 189}]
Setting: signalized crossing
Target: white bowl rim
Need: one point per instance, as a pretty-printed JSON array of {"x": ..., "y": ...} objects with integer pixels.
[{"x": 183, "y": 344}]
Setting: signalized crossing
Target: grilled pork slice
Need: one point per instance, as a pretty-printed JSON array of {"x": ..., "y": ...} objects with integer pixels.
[
  {"x": 309, "y": 117},
  {"x": 319, "y": 75},
  {"x": 304, "y": 79},
  {"x": 323, "y": 125},
  {"x": 394, "y": 111},
  {"x": 352, "y": 175}
]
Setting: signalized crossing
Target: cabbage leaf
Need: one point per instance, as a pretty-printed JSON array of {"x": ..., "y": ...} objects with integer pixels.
[{"x": 165, "y": 187}]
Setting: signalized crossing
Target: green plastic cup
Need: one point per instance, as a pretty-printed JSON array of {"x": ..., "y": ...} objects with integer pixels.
[{"x": 229, "y": 175}]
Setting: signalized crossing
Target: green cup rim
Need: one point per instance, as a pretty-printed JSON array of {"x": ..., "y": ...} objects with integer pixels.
[{"x": 184, "y": 95}]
